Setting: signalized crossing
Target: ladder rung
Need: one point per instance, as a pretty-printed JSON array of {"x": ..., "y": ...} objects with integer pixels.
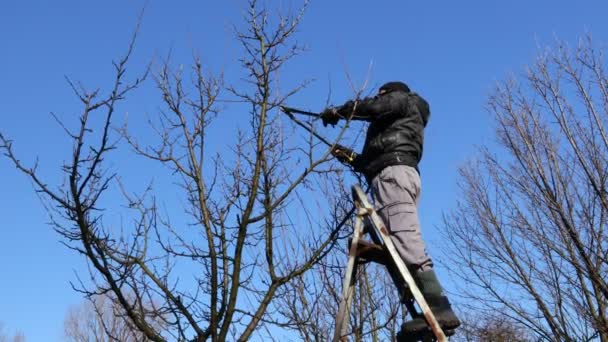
[{"x": 371, "y": 252}]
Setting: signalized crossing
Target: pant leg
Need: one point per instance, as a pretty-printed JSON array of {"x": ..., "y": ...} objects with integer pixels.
[{"x": 396, "y": 190}]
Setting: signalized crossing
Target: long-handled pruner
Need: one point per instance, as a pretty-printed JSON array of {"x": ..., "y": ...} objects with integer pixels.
[
  {"x": 289, "y": 111},
  {"x": 336, "y": 148},
  {"x": 286, "y": 109}
]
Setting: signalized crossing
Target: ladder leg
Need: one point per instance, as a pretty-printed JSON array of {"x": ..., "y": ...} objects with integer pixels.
[
  {"x": 349, "y": 302},
  {"x": 383, "y": 234},
  {"x": 348, "y": 284}
]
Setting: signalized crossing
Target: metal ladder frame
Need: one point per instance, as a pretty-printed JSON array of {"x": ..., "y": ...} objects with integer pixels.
[{"x": 364, "y": 210}]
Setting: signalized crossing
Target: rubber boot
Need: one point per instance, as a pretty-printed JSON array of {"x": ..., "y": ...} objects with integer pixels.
[{"x": 437, "y": 301}]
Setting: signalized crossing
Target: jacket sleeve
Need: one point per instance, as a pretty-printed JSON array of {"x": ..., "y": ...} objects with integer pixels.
[{"x": 376, "y": 108}]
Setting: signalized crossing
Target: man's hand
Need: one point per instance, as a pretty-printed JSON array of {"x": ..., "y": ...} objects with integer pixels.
[
  {"x": 344, "y": 154},
  {"x": 330, "y": 116}
]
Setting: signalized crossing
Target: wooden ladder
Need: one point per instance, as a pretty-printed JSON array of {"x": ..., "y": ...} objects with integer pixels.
[{"x": 384, "y": 252}]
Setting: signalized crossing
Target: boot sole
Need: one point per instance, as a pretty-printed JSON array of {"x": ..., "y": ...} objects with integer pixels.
[{"x": 425, "y": 335}]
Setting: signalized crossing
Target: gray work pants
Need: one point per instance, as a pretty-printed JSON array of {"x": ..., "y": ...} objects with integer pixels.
[{"x": 396, "y": 190}]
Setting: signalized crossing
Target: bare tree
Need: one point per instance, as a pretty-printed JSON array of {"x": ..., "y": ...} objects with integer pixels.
[
  {"x": 311, "y": 304},
  {"x": 254, "y": 221},
  {"x": 529, "y": 234}
]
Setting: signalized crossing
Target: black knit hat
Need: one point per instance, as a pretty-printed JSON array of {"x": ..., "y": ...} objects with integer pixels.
[{"x": 394, "y": 86}]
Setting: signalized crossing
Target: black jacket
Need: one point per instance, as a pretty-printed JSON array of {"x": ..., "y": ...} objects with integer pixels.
[{"x": 396, "y": 132}]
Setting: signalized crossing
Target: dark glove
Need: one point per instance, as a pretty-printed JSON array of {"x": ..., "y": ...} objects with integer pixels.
[
  {"x": 344, "y": 154},
  {"x": 330, "y": 116}
]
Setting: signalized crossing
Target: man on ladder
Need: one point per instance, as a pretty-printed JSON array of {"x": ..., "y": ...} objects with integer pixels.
[{"x": 389, "y": 161}]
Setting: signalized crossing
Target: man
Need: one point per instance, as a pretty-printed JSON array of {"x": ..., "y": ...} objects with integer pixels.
[{"x": 389, "y": 161}]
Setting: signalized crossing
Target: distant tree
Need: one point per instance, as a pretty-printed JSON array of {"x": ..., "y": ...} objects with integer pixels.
[
  {"x": 6, "y": 337},
  {"x": 101, "y": 319},
  {"x": 478, "y": 328},
  {"x": 529, "y": 237},
  {"x": 252, "y": 219}
]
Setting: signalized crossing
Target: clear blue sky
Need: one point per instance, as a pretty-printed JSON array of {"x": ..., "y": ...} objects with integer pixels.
[{"x": 452, "y": 52}]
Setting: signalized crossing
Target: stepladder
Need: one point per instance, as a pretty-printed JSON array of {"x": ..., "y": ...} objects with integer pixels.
[{"x": 381, "y": 250}]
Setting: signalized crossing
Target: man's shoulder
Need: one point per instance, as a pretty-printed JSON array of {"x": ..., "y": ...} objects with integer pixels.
[{"x": 421, "y": 105}]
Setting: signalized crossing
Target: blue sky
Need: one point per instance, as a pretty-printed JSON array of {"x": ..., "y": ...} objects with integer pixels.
[{"x": 451, "y": 52}]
